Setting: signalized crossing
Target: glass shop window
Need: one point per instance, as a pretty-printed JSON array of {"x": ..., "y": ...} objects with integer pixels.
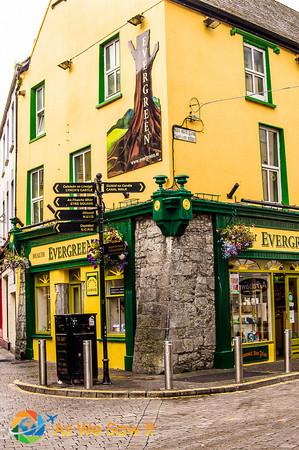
[
  {"x": 42, "y": 303},
  {"x": 115, "y": 306},
  {"x": 250, "y": 296}
]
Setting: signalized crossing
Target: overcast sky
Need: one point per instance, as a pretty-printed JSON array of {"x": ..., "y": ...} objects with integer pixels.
[{"x": 19, "y": 24}]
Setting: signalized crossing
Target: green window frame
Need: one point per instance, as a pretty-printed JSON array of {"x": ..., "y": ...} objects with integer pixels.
[
  {"x": 109, "y": 71},
  {"x": 273, "y": 162},
  {"x": 37, "y": 111},
  {"x": 257, "y": 67},
  {"x": 80, "y": 166},
  {"x": 42, "y": 303},
  {"x": 35, "y": 196}
]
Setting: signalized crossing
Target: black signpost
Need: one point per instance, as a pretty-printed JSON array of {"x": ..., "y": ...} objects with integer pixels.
[
  {"x": 75, "y": 202},
  {"x": 76, "y": 215},
  {"x": 74, "y": 188},
  {"x": 84, "y": 220},
  {"x": 75, "y": 227},
  {"x": 138, "y": 186}
]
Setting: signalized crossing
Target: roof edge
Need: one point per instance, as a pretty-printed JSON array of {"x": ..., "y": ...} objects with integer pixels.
[
  {"x": 19, "y": 68},
  {"x": 231, "y": 19}
]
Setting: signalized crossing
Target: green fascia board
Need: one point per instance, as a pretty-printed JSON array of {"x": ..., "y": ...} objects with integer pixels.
[{"x": 255, "y": 40}]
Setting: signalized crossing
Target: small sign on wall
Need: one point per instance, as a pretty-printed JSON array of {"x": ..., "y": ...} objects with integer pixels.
[
  {"x": 184, "y": 134},
  {"x": 92, "y": 283}
]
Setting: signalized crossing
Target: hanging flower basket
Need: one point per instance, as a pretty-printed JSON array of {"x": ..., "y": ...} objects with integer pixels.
[
  {"x": 235, "y": 239},
  {"x": 117, "y": 262},
  {"x": 13, "y": 260}
]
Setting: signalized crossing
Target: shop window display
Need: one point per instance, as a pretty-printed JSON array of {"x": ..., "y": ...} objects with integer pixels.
[
  {"x": 250, "y": 306},
  {"x": 115, "y": 306}
]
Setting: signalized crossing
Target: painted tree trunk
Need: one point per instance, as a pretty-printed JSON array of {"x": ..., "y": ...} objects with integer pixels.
[{"x": 141, "y": 145}]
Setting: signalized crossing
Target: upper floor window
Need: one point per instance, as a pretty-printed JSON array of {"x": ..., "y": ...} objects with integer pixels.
[
  {"x": 81, "y": 166},
  {"x": 36, "y": 195},
  {"x": 7, "y": 142},
  {"x": 271, "y": 164},
  {"x": 112, "y": 69},
  {"x": 109, "y": 71},
  {"x": 37, "y": 112},
  {"x": 255, "y": 72}
]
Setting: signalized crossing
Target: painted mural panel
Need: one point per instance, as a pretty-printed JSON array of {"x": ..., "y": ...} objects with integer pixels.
[{"x": 135, "y": 140}]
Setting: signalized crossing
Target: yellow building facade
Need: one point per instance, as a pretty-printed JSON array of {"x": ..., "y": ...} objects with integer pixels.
[{"x": 228, "y": 84}]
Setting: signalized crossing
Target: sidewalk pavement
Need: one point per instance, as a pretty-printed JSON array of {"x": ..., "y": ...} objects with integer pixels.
[{"x": 131, "y": 385}]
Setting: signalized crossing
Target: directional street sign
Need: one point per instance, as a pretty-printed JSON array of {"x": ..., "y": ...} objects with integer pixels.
[
  {"x": 75, "y": 202},
  {"x": 69, "y": 227},
  {"x": 114, "y": 248},
  {"x": 137, "y": 186},
  {"x": 76, "y": 215},
  {"x": 74, "y": 188}
]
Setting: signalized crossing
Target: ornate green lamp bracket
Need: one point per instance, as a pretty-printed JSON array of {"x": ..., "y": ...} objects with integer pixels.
[{"x": 172, "y": 208}]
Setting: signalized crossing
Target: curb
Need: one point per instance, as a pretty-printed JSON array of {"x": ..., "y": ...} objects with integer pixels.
[{"x": 161, "y": 394}]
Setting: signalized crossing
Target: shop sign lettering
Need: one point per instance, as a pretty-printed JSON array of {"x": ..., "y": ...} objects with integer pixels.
[
  {"x": 68, "y": 251},
  {"x": 275, "y": 240},
  {"x": 59, "y": 251}
]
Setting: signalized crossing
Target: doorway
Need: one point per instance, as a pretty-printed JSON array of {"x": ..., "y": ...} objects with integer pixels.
[
  {"x": 75, "y": 304},
  {"x": 286, "y": 291}
]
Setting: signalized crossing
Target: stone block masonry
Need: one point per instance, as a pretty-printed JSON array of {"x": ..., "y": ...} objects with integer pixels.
[{"x": 175, "y": 279}]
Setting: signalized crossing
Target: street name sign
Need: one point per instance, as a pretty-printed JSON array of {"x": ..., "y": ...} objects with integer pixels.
[
  {"x": 184, "y": 134},
  {"x": 136, "y": 186},
  {"x": 75, "y": 202},
  {"x": 76, "y": 215},
  {"x": 74, "y": 188},
  {"x": 75, "y": 227}
]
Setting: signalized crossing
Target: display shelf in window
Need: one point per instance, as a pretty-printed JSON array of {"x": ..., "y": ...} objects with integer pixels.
[{"x": 251, "y": 308}]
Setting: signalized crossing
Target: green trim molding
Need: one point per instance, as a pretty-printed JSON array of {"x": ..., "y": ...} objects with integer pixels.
[
  {"x": 37, "y": 138},
  {"x": 110, "y": 100},
  {"x": 255, "y": 40},
  {"x": 261, "y": 102}
]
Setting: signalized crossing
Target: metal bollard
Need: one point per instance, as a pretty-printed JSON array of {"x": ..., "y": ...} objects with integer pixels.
[
  {"x": 87, "y": 363},
  {"x": 238, "y": 359},
  {"x": 287, "y": 351},
  {"x": 42, "y": 362},
  {"x": 168, "y": 366}
]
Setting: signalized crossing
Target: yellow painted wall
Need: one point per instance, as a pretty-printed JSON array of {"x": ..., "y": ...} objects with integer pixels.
[
  {"x": 209, "y": 64},
  {"x": 71, "y": 118}
]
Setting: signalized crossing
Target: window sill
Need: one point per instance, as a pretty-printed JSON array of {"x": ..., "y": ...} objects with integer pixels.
[
  {"x": 114, "y": 339},
  {"x": 261, "y": 102},
  {"x": 37, "y": 137},
  {"x": 41, "y": 336},
  {"x": 110, "y": 100}
]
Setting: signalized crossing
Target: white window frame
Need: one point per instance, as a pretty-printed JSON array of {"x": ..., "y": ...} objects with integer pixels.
[
  {"x": 39, "y": 199},
  {"x": 255, "y": 74},
  {"x": 114, "y": 69},
  {"x": 74, "y": 156},
  {"x": 40, "y": 113},
  {"x": 270, "y": 168}
]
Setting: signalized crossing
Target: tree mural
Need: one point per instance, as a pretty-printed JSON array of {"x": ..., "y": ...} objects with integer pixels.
[{"x": 140, "y": 144}]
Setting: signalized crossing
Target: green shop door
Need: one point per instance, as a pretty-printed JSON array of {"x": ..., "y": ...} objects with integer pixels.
[{"x": 292, "y": 319}]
